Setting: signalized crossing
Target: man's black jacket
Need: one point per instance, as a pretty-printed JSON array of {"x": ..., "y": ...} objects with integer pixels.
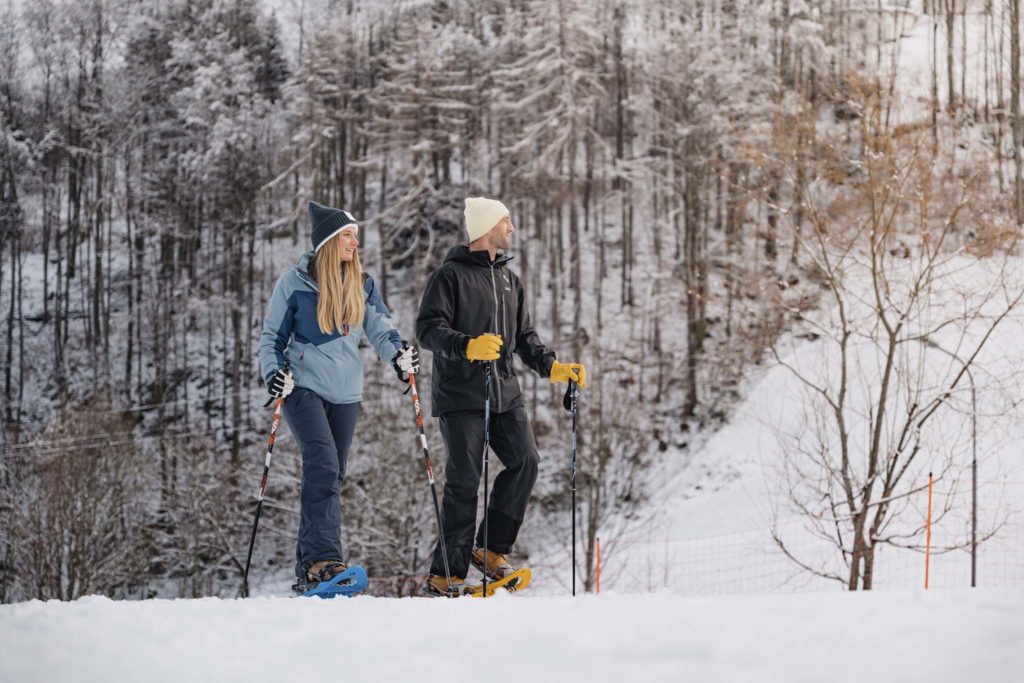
[{"x": 466, "y": 297}]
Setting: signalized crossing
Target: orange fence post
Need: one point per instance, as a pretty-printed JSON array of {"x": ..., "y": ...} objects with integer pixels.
[
  {"x": 928, "y": 535},
  {"x": 599, "y": 566}
]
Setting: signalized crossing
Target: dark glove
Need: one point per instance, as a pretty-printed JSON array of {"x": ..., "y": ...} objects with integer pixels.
[
  {"x": 406, "y": 362},
  {"x": 281, "y": 384}
]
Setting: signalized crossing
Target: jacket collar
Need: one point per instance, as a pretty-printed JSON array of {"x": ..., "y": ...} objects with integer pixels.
[
  {"x": 462, "y": 254},
  {"x": 302, "y": 268}
]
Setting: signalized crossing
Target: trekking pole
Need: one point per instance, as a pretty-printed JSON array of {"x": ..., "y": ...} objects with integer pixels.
[
  {"x": 569, "y": 403},
  {"x": 487, "y": 442},
  {"x": 430, "y": 478},
  {"x": 244, "y": 593}
]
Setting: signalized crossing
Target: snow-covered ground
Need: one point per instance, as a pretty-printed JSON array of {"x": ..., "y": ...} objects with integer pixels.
[{"x": 911, "y": 636}]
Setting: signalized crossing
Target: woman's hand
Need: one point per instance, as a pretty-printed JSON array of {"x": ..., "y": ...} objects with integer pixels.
[
  {"x": 281, "y": 384},
  {"x": 406, "y": 362}
]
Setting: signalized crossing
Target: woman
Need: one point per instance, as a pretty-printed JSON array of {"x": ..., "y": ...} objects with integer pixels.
[{"x": 309, "y": 353}]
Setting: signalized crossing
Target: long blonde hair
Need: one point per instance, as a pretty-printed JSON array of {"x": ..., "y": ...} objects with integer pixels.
[{"x": 340, "y": 303}]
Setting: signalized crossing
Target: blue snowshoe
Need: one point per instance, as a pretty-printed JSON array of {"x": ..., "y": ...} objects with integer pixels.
[{"x": 331, "y": 580}]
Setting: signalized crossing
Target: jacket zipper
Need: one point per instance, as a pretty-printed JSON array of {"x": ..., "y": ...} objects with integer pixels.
[{"x": 498, "y": 329}]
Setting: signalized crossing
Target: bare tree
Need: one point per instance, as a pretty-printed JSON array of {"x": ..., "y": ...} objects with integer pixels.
[
  {"x": 887, "y": 244},
  {"x": 77, "y": 508}
]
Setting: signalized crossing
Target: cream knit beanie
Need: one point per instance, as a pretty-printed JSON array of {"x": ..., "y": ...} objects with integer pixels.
[{"x": 482, "y": 215}]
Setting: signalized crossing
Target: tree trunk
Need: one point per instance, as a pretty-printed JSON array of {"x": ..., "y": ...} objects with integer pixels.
[
  {"x": 935, "y": 82},
  {"x": 10, "y": 230},
  {"x": 1000, "y": 101},
  {"x": 1018, "y": 180},
  {"x": 771, "y": 248},
  {"x": 574, "y": 257},
  {"x": 382, "y": 229},
  {"x": 554, "y": 268},
  {"x": 695, "y": 284},
  {"x": 9, "y": 364},
  {"x": 857, "y": 553},
  {"x": 950, "y": 66},
  {"x": 236, "y": 358},
  {"x": 129, "y": 218}
]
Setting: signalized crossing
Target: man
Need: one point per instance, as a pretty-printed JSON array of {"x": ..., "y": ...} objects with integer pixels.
[{"x": 472, "y": 313}]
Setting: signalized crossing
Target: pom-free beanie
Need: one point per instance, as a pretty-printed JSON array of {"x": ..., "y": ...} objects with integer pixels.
[
  {"x": 482, "y": 214},
  {"x": 327, "y": 223}
]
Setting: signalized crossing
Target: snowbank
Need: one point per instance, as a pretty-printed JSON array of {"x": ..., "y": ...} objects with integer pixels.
[{"x": 905, "y": 636}]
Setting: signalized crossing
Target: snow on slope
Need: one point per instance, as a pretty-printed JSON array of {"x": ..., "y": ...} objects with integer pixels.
[
  {"x": 910, "y": 636},
  {"x": 708, "y": 530}
]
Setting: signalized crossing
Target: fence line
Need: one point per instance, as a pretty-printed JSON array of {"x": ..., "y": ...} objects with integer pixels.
[{"x": 750, "y": 562}]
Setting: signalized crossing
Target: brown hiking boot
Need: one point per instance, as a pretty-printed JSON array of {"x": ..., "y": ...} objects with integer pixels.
[
  {"x": 325, "y": 570},
  {"x": 497, "y": 564},
  {"x": 438, "y": 586}
]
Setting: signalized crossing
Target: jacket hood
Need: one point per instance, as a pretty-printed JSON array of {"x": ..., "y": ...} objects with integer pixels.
[{"x": 462, "y": 254}]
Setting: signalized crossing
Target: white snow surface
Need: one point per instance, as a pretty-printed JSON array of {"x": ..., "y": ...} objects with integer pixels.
[{"x": 907, "y": 636}]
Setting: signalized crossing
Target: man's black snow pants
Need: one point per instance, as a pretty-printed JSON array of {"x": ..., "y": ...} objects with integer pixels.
[
  {"x": 323, "y": 431},
  {"x": 513, "y": 442}
]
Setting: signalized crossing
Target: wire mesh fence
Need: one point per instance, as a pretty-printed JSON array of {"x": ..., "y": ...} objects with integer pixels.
[{"x": 753, "y": 561}]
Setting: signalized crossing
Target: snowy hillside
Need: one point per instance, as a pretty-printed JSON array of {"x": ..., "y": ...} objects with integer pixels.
[
  {"x": 709, "y": 528},
  {"x": 912, "y": 636}
]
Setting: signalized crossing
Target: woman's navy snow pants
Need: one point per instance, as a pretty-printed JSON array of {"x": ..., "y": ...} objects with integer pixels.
[{"x": 323, "y": 431}]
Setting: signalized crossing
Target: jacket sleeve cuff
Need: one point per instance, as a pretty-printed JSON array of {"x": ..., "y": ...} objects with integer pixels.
[{"x": 461, "y": 346}]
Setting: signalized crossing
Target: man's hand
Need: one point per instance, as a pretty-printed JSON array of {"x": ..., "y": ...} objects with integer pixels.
[
  {"x": 484, "y": 347},
  {"x": 565, "y": 372}
]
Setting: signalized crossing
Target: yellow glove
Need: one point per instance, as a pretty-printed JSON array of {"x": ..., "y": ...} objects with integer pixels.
[
  {"x": 563, "y": 372},
  {"x": 484, "y": 347}
]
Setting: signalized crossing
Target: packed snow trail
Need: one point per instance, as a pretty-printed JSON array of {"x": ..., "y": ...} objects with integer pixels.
[{"x": 892, "y": 636}]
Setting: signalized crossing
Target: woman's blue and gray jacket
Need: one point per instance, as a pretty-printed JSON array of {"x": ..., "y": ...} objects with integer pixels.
[{"x": 329, "y": 364}]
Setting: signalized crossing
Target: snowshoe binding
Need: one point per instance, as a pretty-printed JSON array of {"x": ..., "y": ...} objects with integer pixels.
[
  {"x": 514, "y": 582},
  {"x": 331, "y": 578},
  {"x": 437, "y": 587}
]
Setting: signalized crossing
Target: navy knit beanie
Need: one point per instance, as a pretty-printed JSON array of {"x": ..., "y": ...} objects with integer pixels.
[{"x": 327, "y": 223}]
